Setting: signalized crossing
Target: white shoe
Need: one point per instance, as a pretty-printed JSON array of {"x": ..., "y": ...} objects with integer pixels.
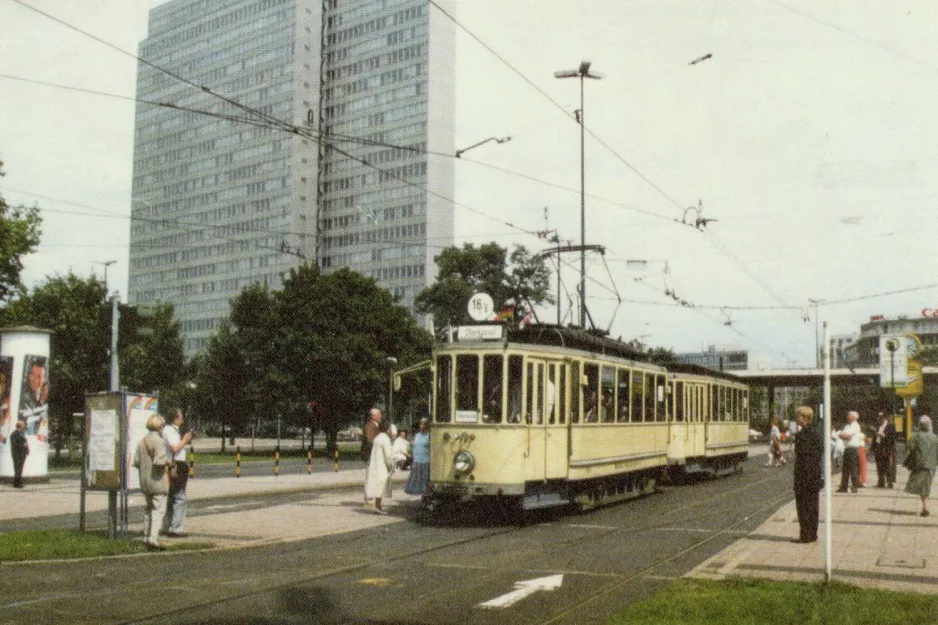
[{"x": 381, "y": 511}]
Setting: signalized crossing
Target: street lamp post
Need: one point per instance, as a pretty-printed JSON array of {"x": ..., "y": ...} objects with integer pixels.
[
  {"x": 391, "y": 362},
  {"x": 459, "y": 153},
  {"x": 582, "y": 73}
]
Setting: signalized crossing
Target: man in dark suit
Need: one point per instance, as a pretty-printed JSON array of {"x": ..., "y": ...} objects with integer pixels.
[
  {"x": 884, "y": 451},
  {"x": 19, "y": 449},
  {"x": 809, "y": 473}
]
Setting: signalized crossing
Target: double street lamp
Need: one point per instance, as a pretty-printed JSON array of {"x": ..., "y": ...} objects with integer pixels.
[{"x": 582, "y": 73}]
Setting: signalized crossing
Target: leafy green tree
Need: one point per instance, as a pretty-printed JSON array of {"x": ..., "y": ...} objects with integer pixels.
[
  {"x": 19, "y": 236},
  {"x": 521, "y": 279},
  {"x": 321, "y": 338},
  {"x": 79, "y": 316}
]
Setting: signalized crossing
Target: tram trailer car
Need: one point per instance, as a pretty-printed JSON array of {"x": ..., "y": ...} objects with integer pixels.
[{"x": 548, "y": 416}]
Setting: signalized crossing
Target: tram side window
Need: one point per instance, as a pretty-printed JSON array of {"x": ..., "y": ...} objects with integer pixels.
[
  {"x": 713, "y": 414},
  {"x": 591, "y": 394},
  {"x": 720, "y": 407},
  {"x": 467, "y": 388},
  {"x": 608, "y": 394},
  {"x": 661, "y": 398},
  {"x": 515, "y": 379},
  {"x": 492, "y": 395},
  {"x": 730, "y": 404},
  {"x": 535, "y": 406},
  {"x": 560, "y": 410},
  {"x": 623, "y": 395},
  {"x": 679, "y": 401},
  {"x": 575, "y": 389},
  {"x": 638, "y": 397},
  {"x": 444, "y": 386},
  {"x": 650, "y": 402},
  {"x": 744, "y": 416}
]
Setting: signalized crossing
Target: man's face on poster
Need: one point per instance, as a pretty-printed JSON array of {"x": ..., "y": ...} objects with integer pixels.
[{"x": 37, "y": 375}]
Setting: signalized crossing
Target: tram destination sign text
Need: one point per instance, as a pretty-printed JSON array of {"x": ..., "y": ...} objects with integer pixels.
[{"x": 480, "y": 333}]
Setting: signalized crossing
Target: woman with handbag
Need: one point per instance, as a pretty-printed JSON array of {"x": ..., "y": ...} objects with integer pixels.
[{"x": 921, "y": 458}]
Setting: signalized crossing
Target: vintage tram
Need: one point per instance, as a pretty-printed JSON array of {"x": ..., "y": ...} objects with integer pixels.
[{"x": 549, "y": 416}]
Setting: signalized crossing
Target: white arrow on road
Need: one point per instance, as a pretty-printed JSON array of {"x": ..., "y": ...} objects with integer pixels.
[{"x": 523, "y": 589}]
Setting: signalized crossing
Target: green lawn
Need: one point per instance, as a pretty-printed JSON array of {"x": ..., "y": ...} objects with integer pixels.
[
  {"x": 65, "y": 544},
  {"x": 760, "y": 602}
]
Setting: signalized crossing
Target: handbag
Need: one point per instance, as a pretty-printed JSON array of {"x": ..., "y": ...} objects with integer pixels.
[{"x": 910, "y": 461}]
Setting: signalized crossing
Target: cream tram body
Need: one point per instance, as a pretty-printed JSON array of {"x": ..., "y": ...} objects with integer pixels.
[{"x": 545, "y": 425}]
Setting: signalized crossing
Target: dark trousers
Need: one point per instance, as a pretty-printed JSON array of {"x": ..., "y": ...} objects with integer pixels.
[
  {"x": 808, "y": 505},
  {"x": 851, "y": 469},
  {"x": 18, "y": 462},
  {"x": 885, "y": 468}
]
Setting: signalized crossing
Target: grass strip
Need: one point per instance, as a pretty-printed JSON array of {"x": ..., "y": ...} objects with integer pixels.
[
  {"x": 70, "y": 544},
  {"x": 762, "y": 602}
]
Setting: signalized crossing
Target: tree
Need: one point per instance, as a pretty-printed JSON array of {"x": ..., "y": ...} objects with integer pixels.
[
  {"x": 521, "y": 283},
  {"x": 322, "y": 339},
  {"x": 19, "y": 236},
  {"x": 79, "y": 316}
]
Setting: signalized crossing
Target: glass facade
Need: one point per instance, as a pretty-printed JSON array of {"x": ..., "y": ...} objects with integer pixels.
[{"x": 222, "y": 203}]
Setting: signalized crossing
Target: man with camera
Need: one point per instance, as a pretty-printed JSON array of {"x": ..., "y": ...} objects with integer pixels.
[{"x": 177, "y": 503}]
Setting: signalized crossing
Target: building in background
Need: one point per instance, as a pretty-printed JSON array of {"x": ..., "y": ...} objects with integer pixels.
[
  {"x": 721, "y": 358},
  {"x": 864, "y": 352},
  {"x": 225, "y": 200}
]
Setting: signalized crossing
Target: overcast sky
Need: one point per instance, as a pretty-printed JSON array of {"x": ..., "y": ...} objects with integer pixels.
[{"x": 808, "y": 137}]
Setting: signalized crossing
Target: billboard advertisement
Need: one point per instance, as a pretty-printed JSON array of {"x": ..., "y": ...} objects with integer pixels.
[{"x": 24, "y": 365}]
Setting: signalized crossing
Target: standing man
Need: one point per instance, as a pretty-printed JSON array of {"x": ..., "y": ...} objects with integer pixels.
[
  {"x": 19, "y": 448},
  {"x": 809, "y": 474},
  {"x": 151, "y": 460},
  {"x": 852, "y": 436},
  {"x": 884, "y": 451},
  {"x": 176, "y": 506}
]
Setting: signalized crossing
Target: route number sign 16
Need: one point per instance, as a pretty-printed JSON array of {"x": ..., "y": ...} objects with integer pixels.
[{"x": 481, "y": 307}]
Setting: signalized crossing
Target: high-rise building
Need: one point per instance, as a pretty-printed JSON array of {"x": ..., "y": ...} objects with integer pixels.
[{"x": 220, "y": 202}]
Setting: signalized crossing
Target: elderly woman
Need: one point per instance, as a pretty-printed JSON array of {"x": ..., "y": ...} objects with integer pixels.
[
  {"x": 420, "y": 472},
  {"x": 921, "y": 459},
  {"x": 380, "y": 467},
  {"x": 151, "y": 460}
]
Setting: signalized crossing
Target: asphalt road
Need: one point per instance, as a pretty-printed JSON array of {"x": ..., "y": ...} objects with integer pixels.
[{"x": 415, "y": 572}]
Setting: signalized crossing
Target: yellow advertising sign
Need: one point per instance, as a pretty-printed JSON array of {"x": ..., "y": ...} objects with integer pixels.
[{"x": 913, "y": 376}]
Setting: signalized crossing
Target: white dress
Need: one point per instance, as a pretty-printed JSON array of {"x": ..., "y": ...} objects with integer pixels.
[{"x": 380, "y": 468}]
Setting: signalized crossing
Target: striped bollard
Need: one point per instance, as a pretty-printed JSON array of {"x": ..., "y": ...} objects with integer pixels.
[
  {"x": 336, "y": 460},
  {"x": 309, "y": 461},
  {"x": 238, "y": 461},
  {"x": 277, "y": 461},
  {"x": 191, "y": 461}
]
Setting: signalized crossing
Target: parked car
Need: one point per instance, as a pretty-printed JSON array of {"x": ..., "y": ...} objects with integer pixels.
[
  {"x": 755, "y": 436},
  {"x": 351, "y": 433}
]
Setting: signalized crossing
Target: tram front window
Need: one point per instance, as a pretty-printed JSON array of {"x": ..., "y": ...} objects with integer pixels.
[
  {"x": 444, "y": 389},
  {"x": 467, "y": 388},
  {"x": 492, "y": 395}
]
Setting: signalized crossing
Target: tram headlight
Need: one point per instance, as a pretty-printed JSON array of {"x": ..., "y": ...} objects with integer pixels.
[{"x": 464, "y": 462}]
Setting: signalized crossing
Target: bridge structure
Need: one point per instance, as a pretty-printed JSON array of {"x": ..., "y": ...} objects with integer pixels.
[{"x": 773, "y": 379}]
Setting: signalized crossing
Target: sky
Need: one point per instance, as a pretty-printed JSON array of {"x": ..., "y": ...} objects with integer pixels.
[{"x": 807, "y": 139}]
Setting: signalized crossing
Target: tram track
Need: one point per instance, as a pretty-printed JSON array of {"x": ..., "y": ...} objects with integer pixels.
[{"x": 676, "y": 516}]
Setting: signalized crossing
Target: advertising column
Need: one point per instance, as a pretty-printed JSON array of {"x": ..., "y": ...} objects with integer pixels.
[{"x": 24, "y": 397}]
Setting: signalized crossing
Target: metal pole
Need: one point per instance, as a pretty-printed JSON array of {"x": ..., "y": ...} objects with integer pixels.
[
  {"x": 827, "y": 456},
  {"x": 115, "y": 320},
  {"x": 582, "y": 207},
  {"x": 391, "y": 393}
]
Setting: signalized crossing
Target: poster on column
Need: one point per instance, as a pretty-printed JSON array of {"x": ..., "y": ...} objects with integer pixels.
[
  {"x": 6, "y": 412},
  {"x": 24, "y": 363}
]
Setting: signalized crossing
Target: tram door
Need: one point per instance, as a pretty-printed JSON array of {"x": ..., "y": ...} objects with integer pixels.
[
  {"x": 546, "y": 388},
  {"x": 696, "y": 404}
]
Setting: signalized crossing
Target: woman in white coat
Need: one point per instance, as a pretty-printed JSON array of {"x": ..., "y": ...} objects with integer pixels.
[{"x": 380, "y": 468}]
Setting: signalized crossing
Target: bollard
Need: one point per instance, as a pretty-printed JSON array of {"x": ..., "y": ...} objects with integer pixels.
[
  {"x": 309, "y": 461},
  {"x": 277, "y": 461},
  {"x": 238, "y": 461},
  {"x": 191, "y": 461},
  {"x": 336, "y": 466}
]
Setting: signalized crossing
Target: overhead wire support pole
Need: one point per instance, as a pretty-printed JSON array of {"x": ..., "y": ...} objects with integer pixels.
[
  {"x": 582, "y": 72},
  {"x": 827, "y": 457}
]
